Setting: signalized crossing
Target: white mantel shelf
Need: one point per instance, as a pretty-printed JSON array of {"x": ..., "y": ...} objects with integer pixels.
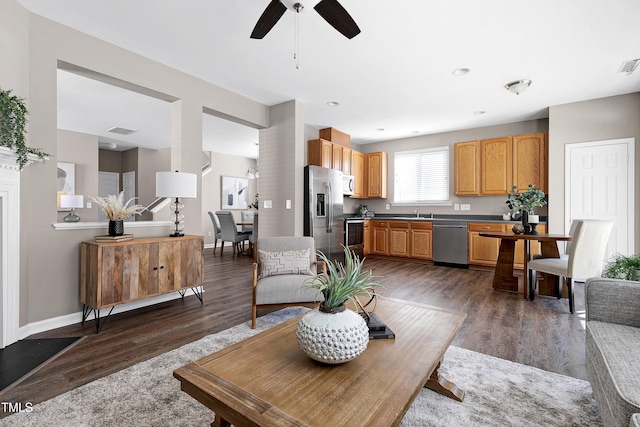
[{"x": 59, "y": 226}]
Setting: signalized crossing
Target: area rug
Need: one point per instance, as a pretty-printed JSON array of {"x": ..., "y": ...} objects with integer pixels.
[
  {"x": 25, "y": 357},
  {"x": 498, "y": 393}
]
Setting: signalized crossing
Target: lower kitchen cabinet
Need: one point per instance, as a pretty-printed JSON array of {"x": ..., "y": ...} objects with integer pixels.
[
  {"x": 399, "y": 238},
  {"x": 422, "y": 240},
  {"x": 380, "y": 237},
  {"x": 483, "y": 250}
]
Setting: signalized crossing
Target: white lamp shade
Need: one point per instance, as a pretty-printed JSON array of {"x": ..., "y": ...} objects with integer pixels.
[
  {"x": 176, "y": 184},
  {"x": 71, "y": 201}
]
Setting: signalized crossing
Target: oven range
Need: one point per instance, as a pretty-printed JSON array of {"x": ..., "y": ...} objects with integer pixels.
[{"x": 354, "y": 235}]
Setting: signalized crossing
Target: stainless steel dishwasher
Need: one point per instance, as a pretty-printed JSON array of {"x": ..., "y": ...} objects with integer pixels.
[{"x": 450, "y": 243}]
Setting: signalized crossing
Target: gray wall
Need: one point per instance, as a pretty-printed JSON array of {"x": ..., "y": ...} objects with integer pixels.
[{"x": 595, "y": 120}]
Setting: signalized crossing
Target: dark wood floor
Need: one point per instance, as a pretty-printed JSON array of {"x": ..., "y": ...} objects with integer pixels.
[{"x": 541, "y": 333}]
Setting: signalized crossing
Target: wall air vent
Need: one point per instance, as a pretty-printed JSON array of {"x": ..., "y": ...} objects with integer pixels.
[
  {"x": 629, "y": 66},
  {"x": 121, "y": 131}
]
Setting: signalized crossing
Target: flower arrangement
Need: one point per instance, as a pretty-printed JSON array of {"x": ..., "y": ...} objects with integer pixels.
[
  {"x": 115, "y": 209},
  {"x": 341, "y": 283},
  {"x": 525, "y": 202}
]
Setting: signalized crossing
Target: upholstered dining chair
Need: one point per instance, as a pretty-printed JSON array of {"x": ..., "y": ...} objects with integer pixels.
[
  {"x": 247, "y": 216},
  {"x": 282, "y": 266},
  {"x": 230, "y": 231},
  {"x": 584, "y": 259},
  {"x": 217, "y": 232}
]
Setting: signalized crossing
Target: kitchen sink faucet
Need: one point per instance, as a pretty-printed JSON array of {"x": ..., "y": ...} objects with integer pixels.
[{"x": 417, "y": 213}]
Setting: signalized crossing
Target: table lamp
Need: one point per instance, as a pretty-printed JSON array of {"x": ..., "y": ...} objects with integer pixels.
[
  {"x": 71, "y": 201},
  {"x": 176, "y": 184}
]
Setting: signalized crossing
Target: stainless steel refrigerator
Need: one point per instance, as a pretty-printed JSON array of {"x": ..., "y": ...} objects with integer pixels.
[{"x": 323, "y": 219}]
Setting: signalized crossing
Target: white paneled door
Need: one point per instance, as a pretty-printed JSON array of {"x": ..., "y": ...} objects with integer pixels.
[{"x": 599, "y": 185}]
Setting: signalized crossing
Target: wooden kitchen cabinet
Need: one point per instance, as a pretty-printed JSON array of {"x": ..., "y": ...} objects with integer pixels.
[
  {"x": 490, "y": 167},
  {"x": 320, "y": 153},
  {"x": 497, "y": 166},
  {"x": 376, "y": 175},
  {"x": 483, "y": 250},
  {"x": 421, "y": 240},
  {"x": 380, "y": 237},
  {"x": 530, "y": 161},
  {"x": 357, "y": 170},
  {"x": 399, "y": 238},
  {"x": 336, "y": 158},
  {"x": 116, "y": 273},
  {"x": 466, "y": 160},
  {"x": 346, "y": 160}
]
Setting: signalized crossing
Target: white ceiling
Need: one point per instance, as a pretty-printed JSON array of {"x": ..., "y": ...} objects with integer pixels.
[{"x": 396, "y": 75}]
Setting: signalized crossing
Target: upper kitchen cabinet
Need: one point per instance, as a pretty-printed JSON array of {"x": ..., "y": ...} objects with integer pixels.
[
  {"x": 320, "y": 153},
  {"x": 327, "y": 154},
  {"x": 376, "y": 175},
  {"x": 491, "y": 167},
  {"x": 530, "y": 161},
  {"x": 497, "y": 166},
  {"x": 357, "y": 170},
  {"x": 466, "y": 158}
]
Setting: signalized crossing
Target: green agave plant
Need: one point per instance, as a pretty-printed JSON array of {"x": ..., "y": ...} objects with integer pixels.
[
  {"x": 341, "y": 282},
  {"x": 13, "y": 120}
]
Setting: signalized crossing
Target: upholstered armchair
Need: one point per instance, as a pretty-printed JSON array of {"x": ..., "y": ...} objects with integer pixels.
[{"x": 282, "y": 266}]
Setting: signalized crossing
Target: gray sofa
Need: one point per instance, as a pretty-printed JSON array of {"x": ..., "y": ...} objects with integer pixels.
[{"x": 613, "y": 348}]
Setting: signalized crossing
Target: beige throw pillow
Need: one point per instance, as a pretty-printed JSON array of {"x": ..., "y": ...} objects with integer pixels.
[{"x": 286, "y": 262}]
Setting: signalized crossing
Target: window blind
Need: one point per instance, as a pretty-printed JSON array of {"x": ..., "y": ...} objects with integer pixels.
[{"x": 422, "y": 176}]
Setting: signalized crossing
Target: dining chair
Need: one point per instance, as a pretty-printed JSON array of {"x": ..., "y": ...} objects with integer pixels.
[
  {"x": 585, "y": 257},
  {"x": 217, "y": 232},
  {"x": 247, "y": 216},
  {"x": 230, "y": 231}
]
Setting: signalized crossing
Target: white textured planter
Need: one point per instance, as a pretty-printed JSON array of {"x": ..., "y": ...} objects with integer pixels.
[{"x": 332, "y": 337}]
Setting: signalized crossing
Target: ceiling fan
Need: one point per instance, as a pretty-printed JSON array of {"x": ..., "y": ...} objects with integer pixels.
[{"x": 330, "y": 10}]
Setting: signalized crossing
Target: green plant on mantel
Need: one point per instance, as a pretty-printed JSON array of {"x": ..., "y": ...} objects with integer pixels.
[
  {"x": 622, "y": 267},
  {"x": 13, "y": 119}
]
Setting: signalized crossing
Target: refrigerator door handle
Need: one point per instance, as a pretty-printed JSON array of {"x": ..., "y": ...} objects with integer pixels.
[
  {"x": 311, "y": 214},
  {"x": 329, "y": 203}
]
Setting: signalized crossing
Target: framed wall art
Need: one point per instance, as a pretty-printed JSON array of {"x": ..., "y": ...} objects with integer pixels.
[{"x": 234, "y": 192}]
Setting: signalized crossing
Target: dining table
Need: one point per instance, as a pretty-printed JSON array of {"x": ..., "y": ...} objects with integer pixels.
[{"x": 504, "y": 278}]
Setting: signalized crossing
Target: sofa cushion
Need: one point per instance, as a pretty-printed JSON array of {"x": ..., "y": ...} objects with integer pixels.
[
  {"x": 614, "y": 369},
  {"x": 284, "y": 262},
  {"x": 285, "y": 289}
]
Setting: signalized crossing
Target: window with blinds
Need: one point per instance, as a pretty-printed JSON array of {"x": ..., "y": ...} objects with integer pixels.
[{"x": 422, "y": 176}]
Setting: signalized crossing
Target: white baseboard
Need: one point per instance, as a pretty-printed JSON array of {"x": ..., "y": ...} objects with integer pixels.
[{"x": 73, "y": 318}]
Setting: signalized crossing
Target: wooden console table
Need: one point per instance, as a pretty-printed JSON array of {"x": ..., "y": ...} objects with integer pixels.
[
  {"x": 504, "y": 278},
  {"x": 120, "y": 272}
]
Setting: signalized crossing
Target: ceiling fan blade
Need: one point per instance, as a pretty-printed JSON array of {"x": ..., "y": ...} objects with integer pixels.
[
  {"x": 271, "y": 15},
  {"x": 338, "y": 17}
]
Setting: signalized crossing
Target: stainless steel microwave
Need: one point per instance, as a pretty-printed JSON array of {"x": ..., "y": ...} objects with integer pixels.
[{"x": 347, "y": 185}]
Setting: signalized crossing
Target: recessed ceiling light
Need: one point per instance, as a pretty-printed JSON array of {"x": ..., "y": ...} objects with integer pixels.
[
  {"x": 380, "y": 129},
  {"x": 460, "y": 71},
  {"x": 333, "y": 103},
  {"x": 415, "y": 131},
  {"x": 478, "y": 113}
]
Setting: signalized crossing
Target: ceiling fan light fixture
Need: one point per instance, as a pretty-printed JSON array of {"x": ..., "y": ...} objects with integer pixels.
[{"x": 518, "y": 86}]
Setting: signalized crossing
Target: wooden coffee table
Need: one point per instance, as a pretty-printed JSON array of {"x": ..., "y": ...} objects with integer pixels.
[{"x": 266, "y": 380}]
